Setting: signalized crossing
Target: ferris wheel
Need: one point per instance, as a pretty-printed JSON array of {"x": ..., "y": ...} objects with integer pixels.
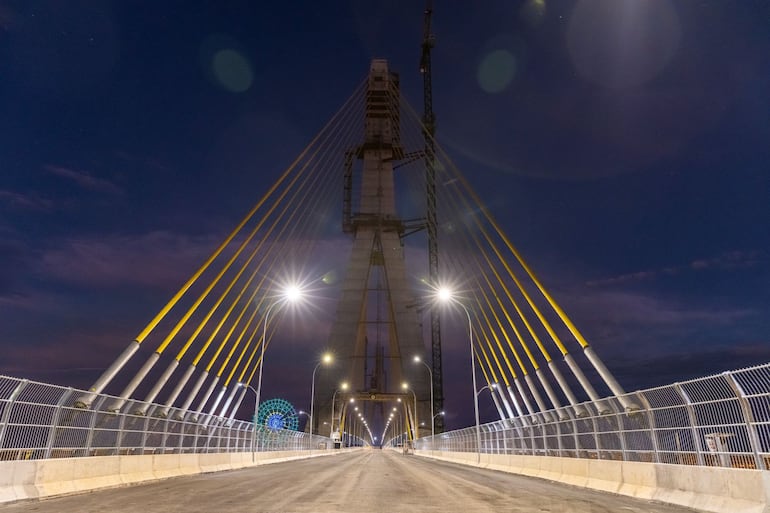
[{"x": 278, "y": 414}]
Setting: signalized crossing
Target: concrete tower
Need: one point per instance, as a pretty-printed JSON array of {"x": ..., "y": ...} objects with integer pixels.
[{"x": 377, "y": 330}]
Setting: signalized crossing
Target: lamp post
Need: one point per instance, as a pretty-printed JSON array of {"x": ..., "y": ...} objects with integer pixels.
[
  {"x": 326, "y": 358},
  {"x": 256, "y": 414},
  {"x": 487, "y": 387},
  {"x": 417, "y": 359},
  {"x": 291, "y": 294},
  {"x": 343, "y": 386},
  {"x": 405, "y": 386},
  {"x": 445, "y": 295}
]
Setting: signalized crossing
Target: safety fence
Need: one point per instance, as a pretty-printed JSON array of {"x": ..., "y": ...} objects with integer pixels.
[
  {"x": 39, "y": 420},
  {"x": 721, "y": 420}
]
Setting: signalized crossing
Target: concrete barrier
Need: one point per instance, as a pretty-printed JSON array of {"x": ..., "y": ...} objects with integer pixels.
[
  {"x": 33, "y": 479},
  {"x": 135, "y": 469},
  {"x": 711, "y": 489},
  {"x": 102, "y": 472},
  {"x": 638, "y": 480},
  {"x": 17, "y": 480}
]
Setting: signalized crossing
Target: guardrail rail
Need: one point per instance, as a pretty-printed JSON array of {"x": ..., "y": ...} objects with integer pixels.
[
  {"x": 38, "y": 421},
  {"x": 721, "y": 420}
]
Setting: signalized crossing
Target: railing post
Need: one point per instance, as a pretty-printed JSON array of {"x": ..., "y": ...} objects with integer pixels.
[
  {"x": 9, "y": 406},
  {"x": 196, "y": 431},
  {"x": 576, "y": 436},
  {"x": 693, "y": 423},
  {"x": 559, "y": 444},
  {"x": 55, "y": 422},
  {"x": 145, "y": 432},
  {"x": 96, "y": 409},
  {"x": 597, "y": 440},
  {"x": 651, "y": 422},
  {"x": 622, "y": 433},
  {"x": 164, "y": 438},
  {"x": 532, "y": 426},
  {"x": 748, "y": 417},
  {"x": 121, "y": 432}
]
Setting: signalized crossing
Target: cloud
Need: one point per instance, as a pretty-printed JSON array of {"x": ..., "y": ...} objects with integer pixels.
[
  {"x": 626, "y": 307},
  {"x": 19, "y": 201},
  {"x": 668, "y": 368},
  {"x": 84, "y": 179},
  {"x": 55, "y": 359},
  {"x": 156, "y": 260},
  {"x": 729, "y": 260}
]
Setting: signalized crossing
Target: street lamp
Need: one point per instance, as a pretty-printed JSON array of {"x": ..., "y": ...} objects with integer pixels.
[
  {"x": 256, "y": 414},
  {"x": 290, "y": 295},
  {"x": 417, "y": 359},
  {"x": 489, "y": 387},
  {"x": 326, "y": 358},
  {"x": 445, "y": 295},
  {"x": 343, "y": 386},
  {"x": 405, "y": 386}
]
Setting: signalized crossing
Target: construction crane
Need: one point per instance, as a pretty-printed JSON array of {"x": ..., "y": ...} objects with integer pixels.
[{"x": 429, "y": 130}]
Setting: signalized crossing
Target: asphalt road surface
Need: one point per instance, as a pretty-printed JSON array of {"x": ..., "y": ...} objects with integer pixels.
[{"x": 366, "y": 481}]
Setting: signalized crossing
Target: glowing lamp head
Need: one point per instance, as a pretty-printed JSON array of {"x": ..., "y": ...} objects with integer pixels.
[
  {"x": 293, "y": 293},
  {"x": 344, "y": 385},
  {"x": 444, "y": 294},
  {"x": 327, "y": 358}
]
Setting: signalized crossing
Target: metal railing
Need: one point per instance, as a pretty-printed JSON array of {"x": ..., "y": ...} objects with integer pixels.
[
  {"x": 720, "y": 420},
  {"x": 39, "y": 421}
]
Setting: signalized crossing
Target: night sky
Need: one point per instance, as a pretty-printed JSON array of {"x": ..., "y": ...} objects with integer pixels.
[{"x": 622, "y": 144}]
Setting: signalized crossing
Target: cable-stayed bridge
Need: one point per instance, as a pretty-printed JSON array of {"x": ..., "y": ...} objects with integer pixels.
[{"x": 375, "y": 193}]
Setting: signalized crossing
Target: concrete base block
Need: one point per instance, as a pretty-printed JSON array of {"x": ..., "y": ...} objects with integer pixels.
[
  {"x": 17, "y": 480},
  {"x": 188, "y": 464},
  {"x": 604, "y": 475},
  {"x": 499, "y": 462},
  {"x": 100, "y": 472},
  {"x": 165, "y": 465},
  {"x": 638, "y": 480},
  {"x": 574, "y": 472},
  {"x": 55, "y": 477},
  {"x": 135, "y": 469}
]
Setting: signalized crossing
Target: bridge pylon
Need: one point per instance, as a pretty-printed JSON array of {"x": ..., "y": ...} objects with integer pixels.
[{"x": 377, "y": 329}]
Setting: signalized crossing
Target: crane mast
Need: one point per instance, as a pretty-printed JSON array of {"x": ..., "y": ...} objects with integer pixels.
[{"x": 429, "y": 130}]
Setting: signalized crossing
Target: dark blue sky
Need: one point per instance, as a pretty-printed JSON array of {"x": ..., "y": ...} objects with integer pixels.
[{"x": 622, "y": 144}]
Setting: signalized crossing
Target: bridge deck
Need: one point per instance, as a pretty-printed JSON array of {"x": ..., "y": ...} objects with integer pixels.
[{"x": 370, "y": 481}]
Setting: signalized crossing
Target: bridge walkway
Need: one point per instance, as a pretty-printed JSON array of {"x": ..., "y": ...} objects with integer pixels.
[{"x": 369, "y": 480}]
